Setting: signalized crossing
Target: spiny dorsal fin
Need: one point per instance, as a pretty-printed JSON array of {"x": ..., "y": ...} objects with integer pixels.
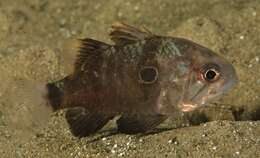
[
  {"x": 124, "y": 34},
  {"x": 89, "y": 54}
]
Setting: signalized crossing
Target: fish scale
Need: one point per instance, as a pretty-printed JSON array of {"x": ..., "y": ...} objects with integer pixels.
[{"x": 143, "y": 78}]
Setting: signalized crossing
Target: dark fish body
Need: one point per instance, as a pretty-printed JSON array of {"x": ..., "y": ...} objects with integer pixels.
[{"x": 143, "y": 77}]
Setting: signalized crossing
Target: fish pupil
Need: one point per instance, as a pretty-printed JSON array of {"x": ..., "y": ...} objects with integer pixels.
[
  {"x": 148, "y": 75},
  {"x": 210, "y": 75}
]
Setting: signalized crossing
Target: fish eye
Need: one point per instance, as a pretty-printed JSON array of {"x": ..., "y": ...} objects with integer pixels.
[
  {"x": 211, "y": 74},
  {"x": 148, "y": 74}
]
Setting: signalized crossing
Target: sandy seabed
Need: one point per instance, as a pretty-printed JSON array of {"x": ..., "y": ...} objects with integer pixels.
[{"x": 32, "y": 33}]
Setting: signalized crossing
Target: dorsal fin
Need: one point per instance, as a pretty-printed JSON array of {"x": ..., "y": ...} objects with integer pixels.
[
  {"x": 89, "y": 54},
  {"x": 124, "y": 34}
]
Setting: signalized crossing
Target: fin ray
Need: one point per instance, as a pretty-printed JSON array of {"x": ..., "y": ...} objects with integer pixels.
[
  {"x": 125, "y": 34},
  {"x": 90, "y": 52},
  {"x": 139, "y": 123},
  {"x": 83, "y": 122}
]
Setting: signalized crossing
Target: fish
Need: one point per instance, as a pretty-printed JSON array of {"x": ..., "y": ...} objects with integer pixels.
[{"x": 142, "y": 77}]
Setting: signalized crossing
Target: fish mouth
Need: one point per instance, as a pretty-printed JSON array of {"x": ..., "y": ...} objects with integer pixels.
[
  {"x": 193, "y": 95},
  {"x": 187, "y": 107}
]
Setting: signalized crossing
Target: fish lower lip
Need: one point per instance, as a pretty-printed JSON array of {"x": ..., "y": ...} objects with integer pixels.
[{"x": 186, "y": 107}]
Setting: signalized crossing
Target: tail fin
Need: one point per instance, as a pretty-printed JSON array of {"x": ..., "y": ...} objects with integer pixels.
[{"x": 30, "y": 108}]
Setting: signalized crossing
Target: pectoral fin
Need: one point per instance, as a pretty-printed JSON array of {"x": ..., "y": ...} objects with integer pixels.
[{"x": 139, "y": 123}]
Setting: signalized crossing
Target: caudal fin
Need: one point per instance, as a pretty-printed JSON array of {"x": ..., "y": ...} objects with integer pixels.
[{"x": 28, "y": 106}]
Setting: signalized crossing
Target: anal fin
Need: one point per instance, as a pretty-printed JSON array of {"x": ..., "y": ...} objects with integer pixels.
[
  {"x": 132, "y": 124},
  {"x": 83, "y": 122}
]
